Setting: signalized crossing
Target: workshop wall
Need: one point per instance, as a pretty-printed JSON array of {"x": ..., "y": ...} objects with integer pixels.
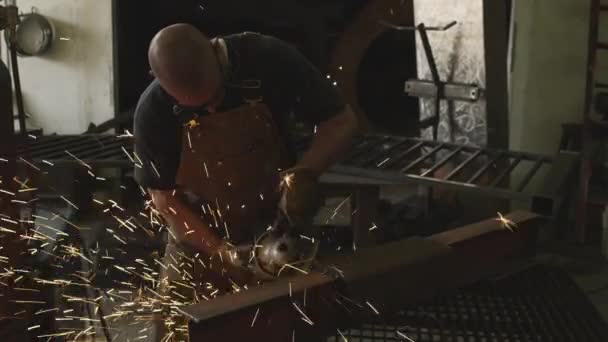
[
  {"x": 471, "y": 52},
  {"x": 548, "y": 76},
  {"x": 459, "y": 54},
  {"x": 302, "y": 22},
  {"x": 73, "y": 84}
]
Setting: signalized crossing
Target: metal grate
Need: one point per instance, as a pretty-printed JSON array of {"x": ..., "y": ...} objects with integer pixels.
[
  {"x": 499, "y": 173},
  {"x": 540, "y": 304},
  {"x": 386, "y": 158},
  {"x": 93, "y": 149}
]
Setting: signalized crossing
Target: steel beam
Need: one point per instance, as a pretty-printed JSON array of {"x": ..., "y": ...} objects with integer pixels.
[{"x": 372, "y": 283}]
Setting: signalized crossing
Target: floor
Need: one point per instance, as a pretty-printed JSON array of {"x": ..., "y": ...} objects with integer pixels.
[{"x": 586, "y": 266}]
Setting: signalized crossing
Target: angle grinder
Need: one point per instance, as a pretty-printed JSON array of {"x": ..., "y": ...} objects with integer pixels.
[{"x": 281, "y": 250}]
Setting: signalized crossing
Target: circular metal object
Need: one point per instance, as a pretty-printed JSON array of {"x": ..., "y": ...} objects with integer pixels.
[
  {"x": 34, "y": 35},
  {"x": 350, "y": 53},
  {"x": 273, "y": 252}
]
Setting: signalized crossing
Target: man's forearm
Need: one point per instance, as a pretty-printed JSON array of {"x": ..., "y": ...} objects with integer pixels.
[
  {"x": 332, "y": 138},
  {"x": 188, "y": 228}
]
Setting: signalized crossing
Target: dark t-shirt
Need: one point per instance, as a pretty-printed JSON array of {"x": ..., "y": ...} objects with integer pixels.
[{"x": 291, "y": 87}]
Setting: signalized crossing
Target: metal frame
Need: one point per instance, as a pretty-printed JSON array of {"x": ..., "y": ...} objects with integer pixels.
[
  {"x": 400, "y": 160},
  {"x": 435, "y": 88},
  {"x": 380, "y": 158},
  {"x": 96, "y": 150}
]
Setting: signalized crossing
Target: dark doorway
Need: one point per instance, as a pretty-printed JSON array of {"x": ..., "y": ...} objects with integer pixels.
[{"x": 389, "y": 61}]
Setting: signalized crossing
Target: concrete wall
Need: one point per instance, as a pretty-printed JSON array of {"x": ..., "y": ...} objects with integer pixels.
[
  {"x": 459, "y": 54},
  {"x": 548, "y": 77},
  {"x": 73, "y": 84}
]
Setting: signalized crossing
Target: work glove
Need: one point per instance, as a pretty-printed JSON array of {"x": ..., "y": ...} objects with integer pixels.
[{"x": 300, "y": 196}]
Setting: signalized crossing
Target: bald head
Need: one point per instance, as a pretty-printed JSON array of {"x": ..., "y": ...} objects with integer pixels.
[{"x": 183, "y": 60}]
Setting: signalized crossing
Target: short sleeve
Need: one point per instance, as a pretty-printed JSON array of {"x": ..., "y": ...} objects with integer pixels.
[
  {"x": 314, "y": 97},
  {"x": 157, "y": 137}
]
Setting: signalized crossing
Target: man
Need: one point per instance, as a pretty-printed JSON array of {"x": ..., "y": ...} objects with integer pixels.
[{"x": 212, "y": 133}]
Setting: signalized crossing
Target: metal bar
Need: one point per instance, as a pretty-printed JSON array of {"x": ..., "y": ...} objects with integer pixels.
[
  {"x": 367, "y": 144},
  {"x": 462, "y": 165},
  {"x": 365, "y": 201},
  {"x": 435, "y": 75},
  {"x": 441, "y": 162},
  {"x": 78, "y": 146},
  {"x": 389, "y": 276},
  {"x": 39, "y": 141},
  {"x": 60, "y": 144},
  {"x": 470, "y": 148},
  {"x": 451, "y": 91},
  {"x": 414, "y": 28},
  {"x": 484, "y": 168},
  {"x": 398, "y": 157},
  {"x": 78, "y": 143},
  {"x": 529, "y": 175},
  {"x": 117, "y": 151},
  {"x": 98, "y": 153},
  {"x": 399, "y": 178},
  {"x": 437, "y": 113},
  {"x": 372, "y": 149},
  {"x": 381, "y": 156},
  {"x": 422, "y": 158},
  {"x": 95, "y": 163},
  {"x": 506, "y": 172},
  {"x": 112, "y": 155},
  {"x": 428, "y": 51}
]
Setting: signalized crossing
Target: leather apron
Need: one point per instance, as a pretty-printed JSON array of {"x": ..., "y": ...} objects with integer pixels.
[{"x": 230, "y": 164}]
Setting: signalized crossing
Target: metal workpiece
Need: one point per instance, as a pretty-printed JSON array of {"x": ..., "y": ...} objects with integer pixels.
[
  {"x": 451, "y": 91},
  {"x": 371, "y": 284}
]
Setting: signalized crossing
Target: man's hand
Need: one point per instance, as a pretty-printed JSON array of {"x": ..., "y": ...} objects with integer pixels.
[
  {"x": 185, "y": 224},
  {"x": 236, "y": 256},
  {"x": 234, "y": 260},
  {"x": 301, "y": 196}
]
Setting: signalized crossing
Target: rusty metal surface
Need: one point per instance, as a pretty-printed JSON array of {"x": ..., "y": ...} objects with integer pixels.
[{"x": 384, "y": 278}]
